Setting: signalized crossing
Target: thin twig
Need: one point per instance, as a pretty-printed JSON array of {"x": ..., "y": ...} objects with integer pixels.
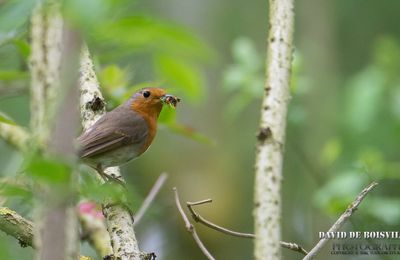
[
  {"x": 150, "y": 197},
  {"x": 293, "y": 246},
  {"x": 196, "y": 203},
  {"x": 342, "y": 219},
  {"x": 198, "y": 218},
  {"x": 190, "y": 228}
]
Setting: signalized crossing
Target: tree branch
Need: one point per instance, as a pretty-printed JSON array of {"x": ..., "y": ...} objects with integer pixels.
[
  {"x": 198, "y": 218},
  {"x": 118, "y": 218},
  {"x": 93, "y": 223},
  {"x": 190, "y": 228},
  {"x": 150, "y": 197},
  {"x": 15, "y": 225},
  {"x": 342, "y": 219}
]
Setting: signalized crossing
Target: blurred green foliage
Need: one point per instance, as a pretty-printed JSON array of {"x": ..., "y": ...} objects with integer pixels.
[
  {"x": 48, "y": 170},
  {"x": 91, "y": 190},
  {"x": 358, "y": 153},
  {"x": 114, "y": 34},
  {"x": 243, "y": 79},
  {"x": 6, "y": 119},
  {"x": 369, "y": 114},
  {"x": 15, "y": 190}
]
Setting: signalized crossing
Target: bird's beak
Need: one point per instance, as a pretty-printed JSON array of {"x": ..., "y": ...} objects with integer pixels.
[{"x": 170, "y": 100}]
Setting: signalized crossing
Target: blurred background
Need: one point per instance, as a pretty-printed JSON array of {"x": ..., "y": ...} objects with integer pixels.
[{"x": 343, "y": 122}]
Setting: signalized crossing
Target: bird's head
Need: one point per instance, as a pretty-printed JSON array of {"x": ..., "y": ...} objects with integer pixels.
[{"x": 149, "y": 101}]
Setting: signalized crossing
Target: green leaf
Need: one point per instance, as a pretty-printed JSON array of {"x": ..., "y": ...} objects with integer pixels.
[
  {"x": 14, "y": 190},
  {"x": 91, "y": 189},
  {"x": 373, "y": 160},
  {"x": 49, "y": 170},
  {"x": 9, "y": 75},
  {"x": 299, "y": 82},
  {"x": 23, "y": 47},
  {"x": 246, "y": 54},
  {"x": 181, "y": 75},
  {"x": 245, "y": 75},
  {"x": 365, "y": 95},
  {"x": 244, "y": 78},
  {"x": 5, "y": 119},
  {"x": 387, "y": 56},
  {"x": 331, "y": 151},
  {"x": 113, "y": 77},
  {"x": 375, "y": 206}
]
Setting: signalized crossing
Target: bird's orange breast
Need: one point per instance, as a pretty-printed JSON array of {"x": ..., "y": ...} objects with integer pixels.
[
  {"x": 152, "y": 124},
  {"x": 150, "y": 115}
]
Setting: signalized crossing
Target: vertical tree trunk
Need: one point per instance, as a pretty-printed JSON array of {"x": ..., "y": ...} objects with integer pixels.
[
  {"x": 271, "y": 137},
  {"x": 54, "y": 106},
  {"x": 118, "y": 218},
  {"x": 45, "y": 62}
]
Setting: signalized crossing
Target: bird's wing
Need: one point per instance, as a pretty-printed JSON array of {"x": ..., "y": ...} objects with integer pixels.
[{"x": 114, "y": 130}]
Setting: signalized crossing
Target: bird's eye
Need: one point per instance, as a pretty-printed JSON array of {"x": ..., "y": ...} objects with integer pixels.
[{"x": 146, "y": 94}]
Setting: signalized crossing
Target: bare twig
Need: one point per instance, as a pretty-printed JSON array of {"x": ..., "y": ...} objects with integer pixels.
[
  {"x": 190, "y": 228},
  {"x": 293, "y": 247},
  {"x": 342, "y": 219},
  {"x": 150, "y": 197},
  {"x": 198, "y": 218}
]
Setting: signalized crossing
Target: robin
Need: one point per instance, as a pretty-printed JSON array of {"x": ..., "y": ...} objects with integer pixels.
[{"x": 126, "y": 132}]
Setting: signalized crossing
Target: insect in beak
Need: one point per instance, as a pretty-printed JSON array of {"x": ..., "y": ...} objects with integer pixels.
[{"x": 170, "y": 100}]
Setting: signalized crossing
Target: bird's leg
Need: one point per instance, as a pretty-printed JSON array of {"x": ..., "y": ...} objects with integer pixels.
[
  {"x": 110, "y": 179},
  {"x": 102, "y": 174}
]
